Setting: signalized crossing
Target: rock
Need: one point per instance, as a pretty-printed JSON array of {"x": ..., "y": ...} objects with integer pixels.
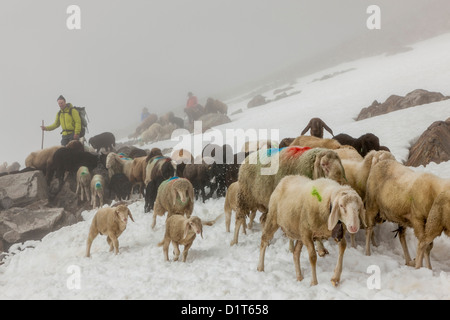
[
  {"x": 21, "y": 189},
  {"x": 257, "y": 101},
  {"x": 394, "y": 103},
  {"x": 432, "y": 146}
]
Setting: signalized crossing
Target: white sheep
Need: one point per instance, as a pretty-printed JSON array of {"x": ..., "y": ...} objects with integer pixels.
[
  {"x": 357, "y": 173},
  {"x": 84, "y": 183},
  {"x": 307, "y": 210},
  {"x": 110, "y": 222},
  {"x": 116, "y": 164},
  {"x": 180, "y": 231},
  {"x": 411, "y": 199},
  {"x": 97, "y": 190}
]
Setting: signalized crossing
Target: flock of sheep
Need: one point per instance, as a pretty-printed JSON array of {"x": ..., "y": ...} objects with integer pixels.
[{"x": 322, "y": 188}]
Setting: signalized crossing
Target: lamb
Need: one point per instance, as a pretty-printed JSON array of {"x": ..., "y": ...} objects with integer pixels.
[
  {"x": 110, "y": 222},
  {"x": 316, "y": 125},
  {"x": 175, "y": 196},
  {"x": 98, "y": 186},
  {"x": 417, "y": 200},
  {"x": 84, "y": 183},
  {"x": 312, "y": 209},
  {"x": 256, "y": 186},
  {"x": 314, "y": 142},
  {"x": 231, "y": 205},
  {"x": 181, "y": 231},
  {"x": 105, "y": 140}
]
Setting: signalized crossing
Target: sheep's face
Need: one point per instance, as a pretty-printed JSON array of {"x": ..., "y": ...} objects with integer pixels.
[
  {"x": 348, "y": 208},
  {"x": 122, "y": 213},
  {"x": 194, "y": 224}
]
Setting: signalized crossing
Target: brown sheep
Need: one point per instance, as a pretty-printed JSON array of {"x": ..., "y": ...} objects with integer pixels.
[
  {"x": 417, "y": 200},
  {"x": 110, "y": 222},
  {"x": 314, "y": 142},
  {"x": 41, "y": 159},
  {"x": 316, "y": 125},
  {"x": 231, "y": 205},
  {"x": 180, "y": 231},
  {"x": 175, "y": 196},
  {"x": 137, "y": 173}
]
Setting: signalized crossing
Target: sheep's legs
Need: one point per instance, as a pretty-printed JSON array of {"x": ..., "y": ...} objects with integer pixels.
[
  {"x": 402, "y": 238},
  {"x": 91, "y": 237},
  {"x": 252, "y": 217},
  {"x": 369, "y": 232},
  {"x": 113, "y": 243},
  {"x": 166, "y": 244},
  {"x": 227, "y": 219},
  {"x": 297, "y": 251},
  {"x": 423, "y": 249},
  {"x": 267, "y": 235},
  {"x": 312, "y": 259},
  {"x": 240, "y": 219},
  {"x": 176, "y": 251},
  {"x": 338, "y": 270},
  {"x": 185, "y": 251}
]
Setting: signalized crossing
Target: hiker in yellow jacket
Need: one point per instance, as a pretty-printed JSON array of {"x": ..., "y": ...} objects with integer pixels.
[{"x": 69, "y": 120}]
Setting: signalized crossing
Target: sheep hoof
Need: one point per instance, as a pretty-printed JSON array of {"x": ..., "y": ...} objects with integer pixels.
[
  {"x": 322, "y": 252},
  {"x": 335, "y": 282},
  {"x": 411, "y": 263},
  {"x": 232, "y": 243},
  {"x": 313, "y": 283},
  {"x": 300, "y": 278}
]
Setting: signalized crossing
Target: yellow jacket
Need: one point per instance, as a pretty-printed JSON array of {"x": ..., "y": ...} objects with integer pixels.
[{"x": 69, "y": 120}]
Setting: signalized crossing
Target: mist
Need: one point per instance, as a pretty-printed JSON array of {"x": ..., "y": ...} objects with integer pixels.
[{"x": 140, "y": 53}]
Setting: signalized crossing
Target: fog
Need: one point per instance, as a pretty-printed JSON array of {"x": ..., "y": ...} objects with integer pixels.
[{"x": 141, "y": 53}]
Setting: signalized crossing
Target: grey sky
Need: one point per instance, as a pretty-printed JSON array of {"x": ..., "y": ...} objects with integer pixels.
[{"x": 131, "y": 54}]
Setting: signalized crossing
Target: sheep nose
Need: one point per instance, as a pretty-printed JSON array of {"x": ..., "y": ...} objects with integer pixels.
[{"x": 353, "y": 229}]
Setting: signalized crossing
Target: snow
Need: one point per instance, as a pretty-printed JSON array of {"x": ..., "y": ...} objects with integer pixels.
[{"x": 56, "y": 266}]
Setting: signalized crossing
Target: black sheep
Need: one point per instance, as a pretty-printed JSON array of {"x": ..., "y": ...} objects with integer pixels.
[
  {"x": 163, "y": 169},
  {"x": 120, "y": 187},
  {"x": 364, "y": 144},
  {"x": 202, "y": 175},
  {"x": 103, "y": 140},
  {"x": 67, "y": 159}
]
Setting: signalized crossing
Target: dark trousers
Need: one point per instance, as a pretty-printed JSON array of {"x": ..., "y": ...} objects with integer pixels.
[{"x": 66, "y": 139}]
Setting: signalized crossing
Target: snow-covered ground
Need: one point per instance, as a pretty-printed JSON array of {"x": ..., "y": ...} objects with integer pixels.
[{"x": 56, "y": 268}]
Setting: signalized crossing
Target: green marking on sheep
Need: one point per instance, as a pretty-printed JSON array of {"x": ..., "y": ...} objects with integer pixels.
[
  {"x": 316, "y": 194},
  {"x": 183, "y": 202}
]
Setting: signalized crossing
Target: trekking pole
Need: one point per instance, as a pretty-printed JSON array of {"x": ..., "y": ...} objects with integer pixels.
[{"x": 42, "y": 142}]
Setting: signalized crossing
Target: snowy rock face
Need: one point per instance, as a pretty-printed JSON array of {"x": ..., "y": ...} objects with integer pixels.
[
  {"x": 19, "y": 190},
  {"x": 394, "y": 102},
  {"x": 432, "y": 146}
]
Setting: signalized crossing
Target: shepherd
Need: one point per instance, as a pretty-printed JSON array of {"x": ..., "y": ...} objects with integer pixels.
[{"x": 69, "y": 120}]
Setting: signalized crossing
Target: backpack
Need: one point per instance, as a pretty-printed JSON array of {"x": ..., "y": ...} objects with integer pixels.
[{"x": 84, "y": 119}]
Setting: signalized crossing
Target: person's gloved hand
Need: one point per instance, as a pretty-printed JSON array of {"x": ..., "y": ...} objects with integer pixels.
[{"x": 76, "y": 137}]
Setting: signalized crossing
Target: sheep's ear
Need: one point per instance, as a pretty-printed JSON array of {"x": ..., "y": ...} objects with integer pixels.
[
  {"x": 131, "y": 217},
  {"x": 191, "y": 194},
  {"x": 334, "y": 214},
  {"x": 174, "y": 195},
  {"x": 320, "y": 167},
  {"x": 186, "y": 229}
]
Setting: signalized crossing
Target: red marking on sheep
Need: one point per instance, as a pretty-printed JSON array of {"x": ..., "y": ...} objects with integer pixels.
[{"x": 296, "y": 151}]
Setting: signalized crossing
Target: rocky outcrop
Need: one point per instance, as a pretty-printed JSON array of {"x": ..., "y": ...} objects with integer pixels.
[
  {"x": 257, "y": 101},
  {"x": 26, "y": 213},
  {"x": 394, "y": 103},
  {"x": 20, "y": 190},
  {"x": 432, "y": 146}
]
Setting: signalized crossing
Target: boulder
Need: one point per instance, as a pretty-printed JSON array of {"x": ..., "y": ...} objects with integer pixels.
[
  {"x": 257, "y": 101},
  {"x": 21, "y": 189},
  {"x": 394, "y": 103},
  {"x": 432, "y": 146}
]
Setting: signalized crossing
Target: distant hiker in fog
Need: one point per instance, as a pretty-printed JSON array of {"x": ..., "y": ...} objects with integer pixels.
[
  {"x": 192, "y": 107},
  {"x": 69, "y": 120},
  {"x": 144, "y": 114}
]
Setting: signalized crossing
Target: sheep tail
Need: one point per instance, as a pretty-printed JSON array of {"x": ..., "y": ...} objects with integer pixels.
[{"x": 212, "y": 222}]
